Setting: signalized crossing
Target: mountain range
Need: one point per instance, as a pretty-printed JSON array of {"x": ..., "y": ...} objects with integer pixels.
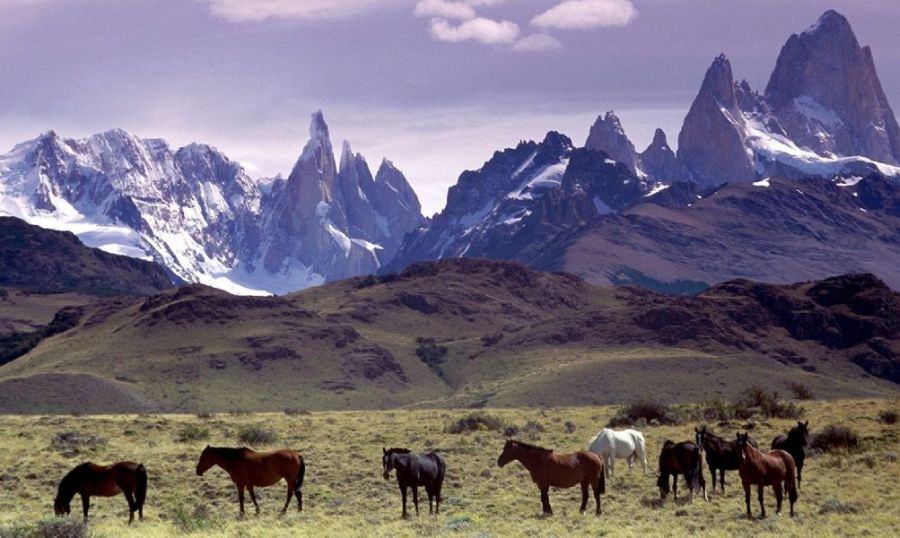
[{"x": 797, "y": 182}]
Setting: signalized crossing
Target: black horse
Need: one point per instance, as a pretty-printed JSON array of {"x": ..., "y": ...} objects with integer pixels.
[
  {"x": 720, "y": 454},
  {"x": 795, "y": 443},
  {"x": 680, "y": 458},
  {"x": 414, "y": 471}
]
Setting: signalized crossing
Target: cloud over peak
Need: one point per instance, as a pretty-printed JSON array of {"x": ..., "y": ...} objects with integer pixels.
[
  {"x": 479, "y": 29},
  {"x": 586, "y": 14}
]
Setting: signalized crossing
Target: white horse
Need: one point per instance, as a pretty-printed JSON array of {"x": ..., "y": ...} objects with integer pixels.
[{"x": 628, "y": 444}]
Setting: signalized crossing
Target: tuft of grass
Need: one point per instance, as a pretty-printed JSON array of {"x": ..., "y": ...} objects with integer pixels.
[
  {"x": 192, "y": 433},
  {"x": 476, "y": 422},
  {"x": 650, "y": 411},
  {"x": 71, "y": 443},
  {"x": 801, "y": 391},
  {"x": 51, "y": 527},
  {"x": 255, "y": 434},
  {"x": 295, "y": 412},
  {"x": 835, "y": 506},
  {"x": 833, "y": 438},
  {"x": 888, "y": 416},
  {"x": 198, "y": 519}
]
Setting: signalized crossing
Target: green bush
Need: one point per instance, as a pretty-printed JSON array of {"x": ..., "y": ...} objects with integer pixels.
[
  {"x": 801, "y": 391},
  {"x": 52, "y": 527},
  {"x": 254, "y": 434},
  {"x": 835, "y": 438},
  {"x": 650, "y": 411},
  {"x": 888, "y": 416},
  {"x": 192, "y": 433},
  {"x": 475, "y": 422}
]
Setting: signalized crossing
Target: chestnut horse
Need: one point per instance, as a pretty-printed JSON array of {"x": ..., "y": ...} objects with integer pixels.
[
  {"x": 763, "y": 469},
  {"x": 548, "y": 468},
  {"x": 91, "y": 480},
  {"x": 249, "y": 469}
]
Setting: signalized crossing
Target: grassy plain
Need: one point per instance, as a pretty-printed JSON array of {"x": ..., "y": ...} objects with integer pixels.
[{"x": 844, "y": 494}]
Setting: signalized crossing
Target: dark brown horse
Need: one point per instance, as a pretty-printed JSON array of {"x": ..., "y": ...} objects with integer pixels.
[
  {"x": 772, "y": 469},
  {"x": 684, "y": 459},
  {"x": 548, "y": 469},
  {"x": 414, "y": 471},
  {"x": 794, "y": 443},
  {"x": 249, "y": 469},
  {"x": 721, "y": 455},
  {"x": 91, "y": 480}
]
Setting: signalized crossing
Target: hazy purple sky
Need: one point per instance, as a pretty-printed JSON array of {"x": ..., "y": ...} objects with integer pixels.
[{"x": 435, "y": 85}]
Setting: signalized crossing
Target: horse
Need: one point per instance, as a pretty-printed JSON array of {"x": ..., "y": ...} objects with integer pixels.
[
  {"x": 548, "y": 468},
  {"x": 628, "y": 444},
  {"x": 91, "y": 480},
  {"x": 680, "y": 458},
  {"x": 794, "y": 443},
  {"x": 249, "y": 469},
  {"x": 720, "y": 454},
  {"x": 763, "y": 469},
  {"x": 414, "y": 471}
]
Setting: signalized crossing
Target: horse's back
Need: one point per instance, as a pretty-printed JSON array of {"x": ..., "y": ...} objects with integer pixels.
[
  {"x": 589, "y": 460},
  {"x": 779, "y": 441}
]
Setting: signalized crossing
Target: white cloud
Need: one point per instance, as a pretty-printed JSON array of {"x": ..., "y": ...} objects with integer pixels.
[
  {"x": 260, "y": 10},
  {"x": 584, "y": 14},
  {"x": 478, "y": 29},
  {"x": 444, "y": 9},
  {"x": 536, "y": 42}
]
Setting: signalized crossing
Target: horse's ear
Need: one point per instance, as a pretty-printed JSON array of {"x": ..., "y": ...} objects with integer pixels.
[
  {"x": 384, "y": 450},
  {"x": 806, "y": 424}
]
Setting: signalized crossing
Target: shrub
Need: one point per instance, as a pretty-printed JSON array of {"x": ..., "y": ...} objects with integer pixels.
[
  {"x": 489, "y": 340},
  {"x": 205, "y": 415},
  {"x": 834, "y": 506},
  {"x": 801, "y": 391},
  {"x": 254, "y": 434},
  {"x": 475, "y": 422},
  {"x": 189, "y": 521},
  {"x": 430, "y": 352},
  {"x": 835, "y": 438},
  {"x": 648, "y": 410},
  {"x": 294, "y": 412},
  {"x": 569, "y": 427},
  {"x": 53, "y": 527},
  {"x": 192, "y": 433},
  {"x": 74, "y": 443},
  {"x": 888, "y": 416},
  {"x": 756, "y": 398}
]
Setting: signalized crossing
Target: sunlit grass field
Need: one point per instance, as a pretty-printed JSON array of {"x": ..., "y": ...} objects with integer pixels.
[{"x": 844, "y": 494}]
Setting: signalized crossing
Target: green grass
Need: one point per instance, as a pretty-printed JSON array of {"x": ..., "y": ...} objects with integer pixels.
[{"x": 346, "y": 496}]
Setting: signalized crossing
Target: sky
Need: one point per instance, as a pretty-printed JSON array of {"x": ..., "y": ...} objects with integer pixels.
[{"x": 434, "y": 85}]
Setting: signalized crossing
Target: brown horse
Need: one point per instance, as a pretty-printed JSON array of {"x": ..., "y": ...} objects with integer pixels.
[
  {"x": 90, "y": 480},
  {"x": 680, "y": 458},
  {"x": 548, "y": 468},
  {"x": 249, "y": 469},
  {"x": 763, "y": 469}
]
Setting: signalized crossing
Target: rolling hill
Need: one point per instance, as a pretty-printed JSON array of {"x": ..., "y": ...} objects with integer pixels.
[{"x": 460, "y": 332}]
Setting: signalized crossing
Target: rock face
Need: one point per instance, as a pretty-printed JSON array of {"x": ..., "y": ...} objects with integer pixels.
[
  {"x": 659, "y": 161},
  {"x": 711, "y": 145},
  {"x": 826, "y": 93},
  {"x": 200, "y": 215},
  {"x": 608, "y": 136}
]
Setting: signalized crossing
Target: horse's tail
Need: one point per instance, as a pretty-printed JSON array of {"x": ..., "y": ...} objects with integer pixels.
[
  {"x": 140, "y": 490},
  {"x": 640, "y": 447},
  {"x": 301, "y": 473},
  {"x": 790, "y": 477},
  {"x": 697, "y": 472}
]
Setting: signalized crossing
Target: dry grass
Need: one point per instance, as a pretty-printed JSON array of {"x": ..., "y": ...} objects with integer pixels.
[{"x": 346, "y": 496}]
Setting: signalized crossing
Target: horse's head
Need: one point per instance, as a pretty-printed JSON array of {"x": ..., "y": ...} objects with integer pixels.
[
  {"x": 700, "y": 436},
  {"x": 61, "y": 508},
  {"x": 743, "y": 441},
  {"x": 509, "y": 453},
  {"x": 207, "y": 460},
  {"x": 387, "y": 461},
  {"x": 800, "y": 433}
]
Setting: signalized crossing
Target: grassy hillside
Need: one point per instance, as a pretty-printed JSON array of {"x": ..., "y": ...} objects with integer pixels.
[
  {"x": 845, "y": 493},
  {"x": 462, "y": 333}
]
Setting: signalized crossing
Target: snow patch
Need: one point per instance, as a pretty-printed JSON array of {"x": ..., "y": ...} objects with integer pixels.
[{"x": 762, "y": 183}]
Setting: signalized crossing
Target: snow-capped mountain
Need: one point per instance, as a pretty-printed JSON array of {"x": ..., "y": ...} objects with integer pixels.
[{"x": 201, "y": 216}]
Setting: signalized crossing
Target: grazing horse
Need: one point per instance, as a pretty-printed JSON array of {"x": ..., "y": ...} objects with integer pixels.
[
  {"x": 91, "y": 480},
  {"x": 794, "y": 443},
  {"x": 414, "y": 471},
  {"x": 720, "y": 454},
  {"x": 685, "y": 459},
  {"x": 548, "y": 468},
  {"x": 626, "y": 444},
  {"x": 763, "y": 469},
  {"x": 249, "y": 469}
]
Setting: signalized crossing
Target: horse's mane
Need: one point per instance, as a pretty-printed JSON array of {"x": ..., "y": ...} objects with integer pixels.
[
  {"x": 69, "y": 484},
  {"x": 530, "y": 446},
  {"x": 399, "y": 451},
  {"x": 227, "y": 453}
]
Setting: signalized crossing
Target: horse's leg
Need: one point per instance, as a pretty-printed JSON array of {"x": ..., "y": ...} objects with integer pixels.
[
  {"x": 253, "y": 498},
  {"x": 403, "y": 515},
  {"x": 287, "y": 503},
  {"x": 85, "y": 505},
  {"x": 596, "y": 486},
  {"x": 545, "y": 500},
  {"x": 630, "y": 460},
  {"x": 721, "y": 479},
  {"x": 240, "y": 489},
  {"x": 584, "y": 495},
  {"x": 131, "y": 505},
  {"x": 675, "y": 485},
  {"x": 430, "y": 492},
  {"x": 747, "y": 499},
  {"x": 611, "y": 461},
  {"x": 416, "y": 498},
  {"x": 779, "y": 495},
  {"x": 799, "y": 472},
  {"x": 762, "y": 505},
  {"x": 437, "y": 496}
]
